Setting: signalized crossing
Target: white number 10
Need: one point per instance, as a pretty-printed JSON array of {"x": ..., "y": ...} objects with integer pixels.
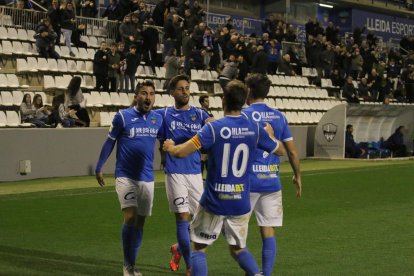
[{"x": 237, "y": 172}]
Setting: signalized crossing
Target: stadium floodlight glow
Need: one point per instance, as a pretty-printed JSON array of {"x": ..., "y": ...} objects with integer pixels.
[{"x": 326, "y": 5}]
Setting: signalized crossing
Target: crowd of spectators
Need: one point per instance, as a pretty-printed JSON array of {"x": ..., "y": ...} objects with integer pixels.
[{"x": 360, "y": 65}]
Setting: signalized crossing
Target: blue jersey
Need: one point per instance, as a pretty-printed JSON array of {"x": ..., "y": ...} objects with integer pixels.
[
  {"x": 230, "y": 142},
  {"x": 265, "y": 177},
  {"x": 136, "y": 134},
  {"x": 180, "y": 126}
]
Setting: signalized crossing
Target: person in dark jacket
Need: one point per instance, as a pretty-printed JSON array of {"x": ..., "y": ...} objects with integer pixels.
[
  {"x": 100, "y": 68},
  {"x": 45, "y": 40},
  {"x": 149, "y": 46},
  {"x": 132, "y": 62},
  {"x": 68, "y": 25},
  {"x": 259, "y": 61},
  {"x": 349, "y": 92},
  {"x": 285, "y": 67},
  {"x": 54, "y": 16},
  {"x": 352, "y": 150},
  {"x": 395, "y": 142},
  {"x": 87, "y": 8}
]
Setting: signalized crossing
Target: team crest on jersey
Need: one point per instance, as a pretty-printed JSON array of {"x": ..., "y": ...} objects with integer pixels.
[
  {"x": 153, "y": 120},
  {"x": 329, "y": 131},
  {"x": 193, "y": 117}
]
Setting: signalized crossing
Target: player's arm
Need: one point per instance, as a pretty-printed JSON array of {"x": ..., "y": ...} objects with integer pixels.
[
  {"x": 184, "y": 149},
  {"x": 280, "y": 148},
  {"x": 106, "y": 151},
  {"x": 293, "y": 155}
]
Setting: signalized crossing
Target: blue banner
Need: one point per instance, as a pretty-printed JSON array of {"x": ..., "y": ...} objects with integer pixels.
[
  {"x": 243, "y": 25},
  {"x": 385, "y": 26}
]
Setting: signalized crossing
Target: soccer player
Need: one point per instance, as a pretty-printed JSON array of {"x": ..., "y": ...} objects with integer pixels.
[
  {"x": 266, "y": 194},
  {"x": 135, "y": 129},
  {"x": 183, "y": 180},
  {"x": 231, "y": 142}
]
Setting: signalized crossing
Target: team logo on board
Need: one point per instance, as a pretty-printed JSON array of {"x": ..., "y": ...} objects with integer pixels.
[{"x": 329, "y": 131}]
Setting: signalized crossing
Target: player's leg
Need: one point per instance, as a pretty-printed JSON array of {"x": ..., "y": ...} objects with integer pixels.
[
  {"x": 269, "y": 214},
  {"x": 177, "y": 194},
  {"x": 235, "y": 231},
  {"x": 144, "y": 199},
  {"x": 205, "y": 229}
]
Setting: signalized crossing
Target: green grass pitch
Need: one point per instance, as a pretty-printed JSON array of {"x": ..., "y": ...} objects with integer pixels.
[{"x": 355, "y": 218}]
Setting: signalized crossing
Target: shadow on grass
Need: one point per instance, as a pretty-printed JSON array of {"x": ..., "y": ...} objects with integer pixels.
[{"x": 19, "y": 261}]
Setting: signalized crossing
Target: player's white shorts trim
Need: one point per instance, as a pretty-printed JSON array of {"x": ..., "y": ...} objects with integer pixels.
[
  {"x": 183, "y": 192},
  {"x": 206, "y": 227},
  {"x": 132, "y": 193},
  {"x": 268, "y": 208}
]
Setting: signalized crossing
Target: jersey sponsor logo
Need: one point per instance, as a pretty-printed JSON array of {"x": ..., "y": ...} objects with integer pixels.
[
  {"x": 265, "y": 116},
  {"x": 208, "y": 236},
  {"x": 235, "y": 132},
  {"x": 265, "y": 168},
  {"x": 129, "y": 196},
  {"x": 142, "y": 131},
  {"x": 229, "y": 188},
  {"x": 184, "y": 126},
  {"x": 329, "y": 131},
  {"x": 180, "y": 201},
  {"x": 134, "y": 119}
]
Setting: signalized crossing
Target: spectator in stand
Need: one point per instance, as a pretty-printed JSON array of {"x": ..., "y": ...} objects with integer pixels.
[
  {"x": 352, "y": 150},
  {"x": 327, "y": 60},
  {"x": 68, "y": 24},
  {"x": 100, "y": 68},
  {"x": 190, "y": 21},
  {"x": 87, "y": 8},
  {"x": 393, "y": 72},
  {"x": 132, "y": 62},
  {"x": 259, "y": 61},
  {"x": 144, "y": 13},
  {"x": 364, "y": 90},
  {"x": 160, "y": 12},
  {"x": 408, "y": 78},
  {"x": 243, "y": 68},
  {"x": 67, "y": 116},
  {"x": 128, "y": 31},
  {"x": 113, "y": 11},
  {"x": 349, "y": 92},
  {"x": 28, "y": 112},
  {"x": 228, "y": 71},
  {"x": 113, "y": 67},
  {"x": 42, "y": 112},
  {"x": 374, "y": 82},
  {"x": 172, "y": 66},
  {"x": 138, "y": 36},
  {"x": 55, "y": 18},
  {"x": 356, "y": 64},
  {"x": 395, "y": 142},
  {"x": 208, "y": 48},
  {"x": 122, "y": 66},
  {"x": 272, "y": 49},
  {"x": 336, "y": 78},
  {"x": 171, "y": 28},
  {"x": 75, "y": 100},
  {"x": 285, "y": 67},
  {"x": 76, "y": 36},
  {"x": 45, "y": 40},
  {"x": 149, "y": 46}
]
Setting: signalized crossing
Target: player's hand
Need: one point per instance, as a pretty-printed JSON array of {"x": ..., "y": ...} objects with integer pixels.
[
  {"x": 99, "y": 177},
  {"x": 269, "y": 130},
  {"x": 168, "y": 145},
  {"x": 298, "y": 183}
]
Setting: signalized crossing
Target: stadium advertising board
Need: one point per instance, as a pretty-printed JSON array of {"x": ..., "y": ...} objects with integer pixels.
[{"x": 386, "y": 26}]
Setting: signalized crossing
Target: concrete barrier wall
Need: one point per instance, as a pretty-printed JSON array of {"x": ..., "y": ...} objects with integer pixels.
[{"x": 72, "y": 152}]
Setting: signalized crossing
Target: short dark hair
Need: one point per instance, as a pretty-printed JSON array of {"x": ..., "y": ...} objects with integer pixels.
[
  {"x": 175, "y": 80},
  {"x": 202, "y": 98},
  {"x": 259, "y": 85},
  {"x": 114, "y": 44},
  {"x": 143, "y": 83},
  {"x": 235, "y": 94},
  {"x": 348, "y": 127},
  {"x": 132, "y": 47}
]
